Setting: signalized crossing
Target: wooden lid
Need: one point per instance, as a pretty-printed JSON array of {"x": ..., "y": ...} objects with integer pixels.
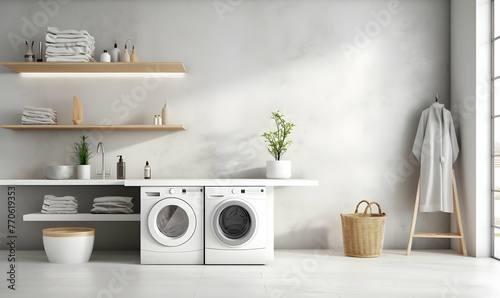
[{"x": 68, "y": 232}]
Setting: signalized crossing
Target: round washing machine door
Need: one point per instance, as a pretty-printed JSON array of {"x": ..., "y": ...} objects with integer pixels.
[
  {"x": 234, "y": 222},
  {"x": 172, "y": 222}
]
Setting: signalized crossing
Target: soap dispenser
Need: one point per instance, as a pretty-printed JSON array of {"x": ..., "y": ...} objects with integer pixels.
[
  {"x": 115, "y": 53},
  {"x": 120, "y": 168},
  {"x": 147, "y": 171}
]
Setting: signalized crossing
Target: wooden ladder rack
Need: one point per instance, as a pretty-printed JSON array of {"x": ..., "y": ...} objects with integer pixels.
[{"x": 458, "y": 221}]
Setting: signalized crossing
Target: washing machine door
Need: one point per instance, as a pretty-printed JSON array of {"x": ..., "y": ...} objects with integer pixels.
[
  {"x": 172, "y": 222},
  {"x": 234, "y": 222}
]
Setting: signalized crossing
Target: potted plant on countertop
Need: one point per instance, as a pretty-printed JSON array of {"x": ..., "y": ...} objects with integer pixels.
[
  {"x": 277, "y": 146},
  {"x": 82, "y": 154}
]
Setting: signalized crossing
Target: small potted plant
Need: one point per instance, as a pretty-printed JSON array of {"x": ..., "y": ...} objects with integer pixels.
[
  {"x": 82, "y": 155},
  {"x": 277, "y": 146}
]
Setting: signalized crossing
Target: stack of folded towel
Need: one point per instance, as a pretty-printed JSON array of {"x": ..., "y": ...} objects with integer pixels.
[
  {"x": 112, "y": 205},
  {"x": 32, "y": 115},
  {"x": 69, "y": 45},
  {"x": 60, "y": 205}
]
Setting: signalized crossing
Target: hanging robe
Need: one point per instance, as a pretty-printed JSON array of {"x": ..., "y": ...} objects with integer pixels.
[{"x": 436, "y": 149}]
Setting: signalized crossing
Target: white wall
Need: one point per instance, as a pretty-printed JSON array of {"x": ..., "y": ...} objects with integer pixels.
[
  {"x": 355, "y": 84},
  {"x": 471, "y": 98}
]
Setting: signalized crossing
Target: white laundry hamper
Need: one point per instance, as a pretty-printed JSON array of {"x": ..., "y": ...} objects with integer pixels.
[{"x": 68, "y": 245}]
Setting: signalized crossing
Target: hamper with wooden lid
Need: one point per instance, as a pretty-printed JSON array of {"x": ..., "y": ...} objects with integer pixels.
[
  {"x": 363, "y": 233},
  {"x": 68, "y": 245}
]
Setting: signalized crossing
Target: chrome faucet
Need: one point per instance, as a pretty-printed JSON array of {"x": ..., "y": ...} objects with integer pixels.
[{"x": 101, "y": 145}]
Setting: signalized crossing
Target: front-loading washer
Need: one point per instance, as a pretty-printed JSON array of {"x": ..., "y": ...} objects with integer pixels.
[
  {"x": 172, "y": 221},
  {"x": 235, "y": 225}
]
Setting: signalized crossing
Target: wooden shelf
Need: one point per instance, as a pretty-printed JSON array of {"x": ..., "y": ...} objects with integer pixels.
[
  {"x": 96, "y": 67},
  {"x": 95, "y": 127},
  {"x": 81, "y": 217},
  {"x": 436, "y": 235}
]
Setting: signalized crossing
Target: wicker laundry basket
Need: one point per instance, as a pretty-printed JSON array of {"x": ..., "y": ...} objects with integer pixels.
[{"x": 363, "y": 233}]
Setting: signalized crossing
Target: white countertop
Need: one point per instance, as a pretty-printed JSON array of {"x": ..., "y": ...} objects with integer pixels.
[{"x": 163, "y": 182}]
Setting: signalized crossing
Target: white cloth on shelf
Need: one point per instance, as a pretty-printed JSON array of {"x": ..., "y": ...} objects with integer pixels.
[
  {"x": 60, "y": 212},
  {"x": 436, "y": 148},
  {"x": 65, "y": 198},
  {"x": 69, "y": 45},
  {"x": 65, "y": 59},
  {"x": 54, "y": 51},
  {"x": 38, "y": 116},
  {"x": 56, "y": 30},
  {"x": 112, "y": 204},
  {"x": 59, "y": 205},
  {"x": 113, "y": 199},
  {"x": 111, "y": 210},
  {"x": 30, "y": 108},
  {"x": 27, "y": 120}
]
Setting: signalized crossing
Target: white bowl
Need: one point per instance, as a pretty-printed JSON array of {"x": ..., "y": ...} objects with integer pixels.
[
  {"x": 68, "y": 245},
  {"x": 58, "y": 172}
]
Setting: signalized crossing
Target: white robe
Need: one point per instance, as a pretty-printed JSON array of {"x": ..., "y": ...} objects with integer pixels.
[{"x": 436, "y": 149}]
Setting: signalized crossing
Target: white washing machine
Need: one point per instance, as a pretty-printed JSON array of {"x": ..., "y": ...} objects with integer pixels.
[
  {"x": 235, "y": 225},
  {"x": 172, "y": 221}
]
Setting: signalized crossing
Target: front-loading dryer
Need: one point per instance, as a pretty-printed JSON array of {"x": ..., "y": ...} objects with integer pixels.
[
  {"x": 172, "y": 221},
  {"x": 235, "y": 225}
]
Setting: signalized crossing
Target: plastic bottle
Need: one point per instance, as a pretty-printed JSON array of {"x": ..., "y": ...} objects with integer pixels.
[
  {"x": 165, "y": 114},
  {"x": 147, "y": 171},
  {"x": 115, "y": 53},
  {"x": 120, "y": 168},
  {"x": 105, "y": 57}
]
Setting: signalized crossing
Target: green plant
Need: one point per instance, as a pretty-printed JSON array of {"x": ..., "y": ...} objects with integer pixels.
[
  {"x": 277, "y": 140},
  {"x": 82, "y": 151}
]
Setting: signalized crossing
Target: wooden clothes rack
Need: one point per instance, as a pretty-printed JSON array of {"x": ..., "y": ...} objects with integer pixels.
[{"x": 458, "y": 221}]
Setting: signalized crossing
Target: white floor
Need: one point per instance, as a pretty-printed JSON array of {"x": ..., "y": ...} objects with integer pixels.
[{"x": 294, "y": 273}]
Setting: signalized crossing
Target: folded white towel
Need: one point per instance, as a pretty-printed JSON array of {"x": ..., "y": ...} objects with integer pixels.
[
  {"x": 64, "y": 59},
  {"x": 39, "y": 115},
  {"x": 60, "y": 212},
  {"x": 25, "y": 120},
  {"x": 70, "y": 36},
  {"x": 68, "y": 50},
  {"x": 52, "y": 39},
  {"x": 68, "y": 56},
  {"x": 114, "y": 205},
  {"x": 65, "y": 198},
  {"x": 34, "y": 109},
  {"x": 113, "y": 199},
  {"x": 56, "y": 30},
  {"x": 58, "y": 204},
  {"x": 111, "y": 210},
  {"x": 86, "y": 44},
  {"x": 59, "y": 209}
]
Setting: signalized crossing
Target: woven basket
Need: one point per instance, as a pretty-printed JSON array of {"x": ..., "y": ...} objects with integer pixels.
[{"x": 363, "y": 233}]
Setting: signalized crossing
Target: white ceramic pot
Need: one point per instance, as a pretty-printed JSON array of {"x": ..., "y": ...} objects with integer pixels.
[
  {"x": 83, "y": 171},
  {"x": 68, "y": 245},
  {"x": 279, "y": 169}
]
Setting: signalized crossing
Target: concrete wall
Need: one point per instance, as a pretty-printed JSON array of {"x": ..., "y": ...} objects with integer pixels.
[{"x": 353, "y": 75}]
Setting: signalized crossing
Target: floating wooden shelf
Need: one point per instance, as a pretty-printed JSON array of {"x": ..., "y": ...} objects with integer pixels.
[
  {"x": 81, "y": 217},
  {"x": 96, "y": 67},
  {"x": 95, "y": 127}
]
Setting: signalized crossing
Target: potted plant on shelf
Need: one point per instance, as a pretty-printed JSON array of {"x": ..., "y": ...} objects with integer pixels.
[
  {"x": 277, "y": 146},
  {"x": 82, "y": 154}
]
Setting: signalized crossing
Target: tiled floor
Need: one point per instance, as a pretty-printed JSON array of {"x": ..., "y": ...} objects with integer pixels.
[{"x": 293, "y": 273}]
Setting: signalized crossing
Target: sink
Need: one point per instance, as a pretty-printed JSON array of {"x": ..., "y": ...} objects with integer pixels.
[{"x": 58, "y": 172}]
